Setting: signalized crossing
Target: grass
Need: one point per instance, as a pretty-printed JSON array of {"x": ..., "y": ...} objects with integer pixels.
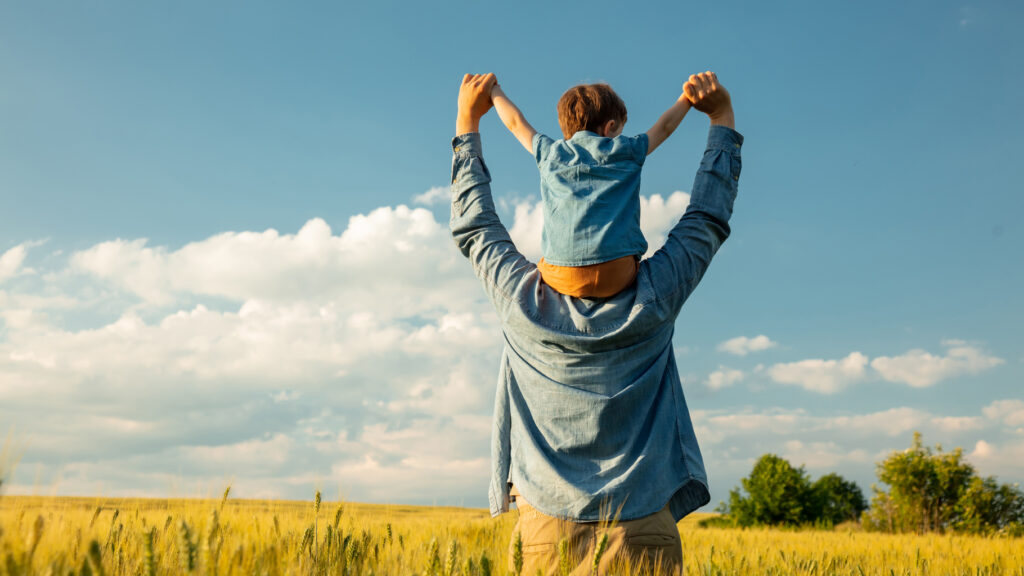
[{"x": 113, "y": 536}]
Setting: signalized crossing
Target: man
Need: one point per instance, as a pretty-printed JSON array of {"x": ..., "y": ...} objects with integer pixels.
[{"x": 590, "y": 420}]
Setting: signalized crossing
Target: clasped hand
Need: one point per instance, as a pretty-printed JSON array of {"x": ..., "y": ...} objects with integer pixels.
[{"x": 703, "y": 91}]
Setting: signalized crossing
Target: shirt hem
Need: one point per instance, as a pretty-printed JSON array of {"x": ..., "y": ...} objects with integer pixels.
[
  {"x": 688, "y": 496},
  {"x": 597, "y": 260}
]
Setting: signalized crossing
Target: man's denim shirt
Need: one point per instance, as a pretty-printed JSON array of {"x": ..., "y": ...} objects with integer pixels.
[{"x": 589, "y": 414}]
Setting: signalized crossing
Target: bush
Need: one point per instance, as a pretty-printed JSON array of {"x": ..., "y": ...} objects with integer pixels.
[
  {"x": 937, "y": 491},
  {"x": 835, "y": 500},
  {"x": 776, "y": 494}
]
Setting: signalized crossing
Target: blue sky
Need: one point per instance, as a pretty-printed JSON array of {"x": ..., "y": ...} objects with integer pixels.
[{"x": 214, "y": 267}]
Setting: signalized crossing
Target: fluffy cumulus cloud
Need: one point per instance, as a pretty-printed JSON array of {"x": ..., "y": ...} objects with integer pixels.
[
  {"x": 822, "y": 455},
  {"x": 11, "y": 261},
  {"x": 742, "y": 345},
  {"x": 920, "y": 369},
  {"x": 390, "y": 249},
  {"x": 284, "y": 359},
  {"x": 827, "y": 376},
  {"x": 891, "y": 422},
  {"x": 916, "y": 368},
  {"x": 1007, "y": 412},
  {"x": 847, "y": 443},
  {"x": 723, "y": 378},
  {"x": 1004, "y": 459},
  {"x": 362, "y": 358},
  {"x": 359, "y": 358},
  {"x": 435, "y": 195}
]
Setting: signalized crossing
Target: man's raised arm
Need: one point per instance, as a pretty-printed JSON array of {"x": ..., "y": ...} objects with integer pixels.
[
  {"x": 477, "y": 231},
  {"x": 679, "y": 265}
]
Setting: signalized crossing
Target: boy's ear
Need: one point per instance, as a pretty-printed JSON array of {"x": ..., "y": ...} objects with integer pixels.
[{"x": 609, "y": 128}]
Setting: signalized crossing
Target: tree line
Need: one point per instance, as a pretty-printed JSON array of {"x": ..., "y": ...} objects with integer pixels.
[{"x": 920, "y": 489}]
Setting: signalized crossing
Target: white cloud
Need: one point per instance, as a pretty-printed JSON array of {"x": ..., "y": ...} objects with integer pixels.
[
  {"x": 826, "y": 376},
  {"x": 824, "y": 456},
  {"x": 11, "y": 261},
  {"x": 657, "y": 217},
  {"x": 1009, "y": 412},
  {"x": 723, "y": 378},
  {"x": 362, "y": 358},
  {"x": 251, "y": 344},
  {"x": 891, "y": 422},
  {"x": 381, "y": 256},
  {"x": 1005, "y": 460},
  {"x": 920, "y": 369},
  {"x": 958, "y": 423},
  {"x": 273, "y": 450},
  {"x": 741, "y": 345},
  {"x": 436, "y": 195},
  {"x": 715, "y": 426},
  {"x": 981, "y": 450},
  {"x": 527, "y": 228},
  {"x": 726, "y": 425}
]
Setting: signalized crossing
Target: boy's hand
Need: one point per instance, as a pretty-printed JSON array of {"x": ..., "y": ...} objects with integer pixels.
[
  {"x": 707, "y": 95},
  {"x": 474, "y": 101}
]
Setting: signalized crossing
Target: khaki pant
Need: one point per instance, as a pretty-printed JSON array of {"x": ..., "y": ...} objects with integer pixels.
[{"x": 648, "y": 545}]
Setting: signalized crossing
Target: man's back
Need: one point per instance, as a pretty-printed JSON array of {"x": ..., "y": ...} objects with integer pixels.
[{"x": 590, "y": 413}]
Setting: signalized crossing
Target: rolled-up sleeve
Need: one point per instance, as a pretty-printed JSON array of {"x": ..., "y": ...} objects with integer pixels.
[
  {"x": 679, "y": 265},
  {"x": 476, "y": 228},
  {"x": 541, "y": 146},
  {"x": 640, "y": 144}
]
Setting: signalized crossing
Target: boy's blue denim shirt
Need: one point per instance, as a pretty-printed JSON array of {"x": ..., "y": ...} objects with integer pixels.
[
  {"x": 590, "y": 414},
  {"x": 590, "y": 186}
]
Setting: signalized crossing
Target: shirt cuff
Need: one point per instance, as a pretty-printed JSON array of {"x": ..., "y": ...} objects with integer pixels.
[
  {"x": 468, "y": 144},
  {"x": 724, "y": 138}
]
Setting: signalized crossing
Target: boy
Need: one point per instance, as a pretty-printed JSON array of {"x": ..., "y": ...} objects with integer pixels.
[{"x": 590, "y": 186}]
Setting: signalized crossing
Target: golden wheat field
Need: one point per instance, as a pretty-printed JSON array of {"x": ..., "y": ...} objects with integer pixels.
[{"x": 56, "y": 535}]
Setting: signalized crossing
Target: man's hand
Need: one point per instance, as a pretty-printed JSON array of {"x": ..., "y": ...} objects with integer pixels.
[
  {"x": 474, "y": 101},
  {"x": 711, "y": 98}
]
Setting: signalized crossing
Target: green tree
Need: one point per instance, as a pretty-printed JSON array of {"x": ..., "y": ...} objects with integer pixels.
[
  {"x": 776, "y": 494},
  {"x": 988, "y": 506},
  {"x": 924, "y": 488},
  {"x": 835, "y": 499}
]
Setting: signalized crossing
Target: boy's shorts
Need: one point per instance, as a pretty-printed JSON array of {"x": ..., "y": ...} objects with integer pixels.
[{"x": 595, "y": 281}]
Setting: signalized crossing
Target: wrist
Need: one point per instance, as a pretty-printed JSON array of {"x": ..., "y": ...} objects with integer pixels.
[
  {"x": 724, "y": 118},
  {"x": 465, "y": 124}
]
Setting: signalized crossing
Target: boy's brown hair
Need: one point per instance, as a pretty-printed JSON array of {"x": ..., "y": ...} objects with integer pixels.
[{"x": 588, "y": 107}]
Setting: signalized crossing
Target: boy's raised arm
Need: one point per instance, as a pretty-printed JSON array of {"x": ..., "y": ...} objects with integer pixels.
[
  {"x": 513, "y": 118},
  {"x": 668, "y": 123}
]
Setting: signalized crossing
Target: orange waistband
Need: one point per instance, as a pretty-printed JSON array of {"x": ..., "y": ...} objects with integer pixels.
[{"x": 594, "y": 281}]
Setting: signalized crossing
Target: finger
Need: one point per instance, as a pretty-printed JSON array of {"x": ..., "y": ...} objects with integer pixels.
[
  {"x": 690, "y": 91},
  {"x": 705, "y": 82},
  {"x": 695, "y": 85},
  {"x": 698, "y": 87},
  {"x": 467, "y": 78},
  {"x": 712, "y": 81}
]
